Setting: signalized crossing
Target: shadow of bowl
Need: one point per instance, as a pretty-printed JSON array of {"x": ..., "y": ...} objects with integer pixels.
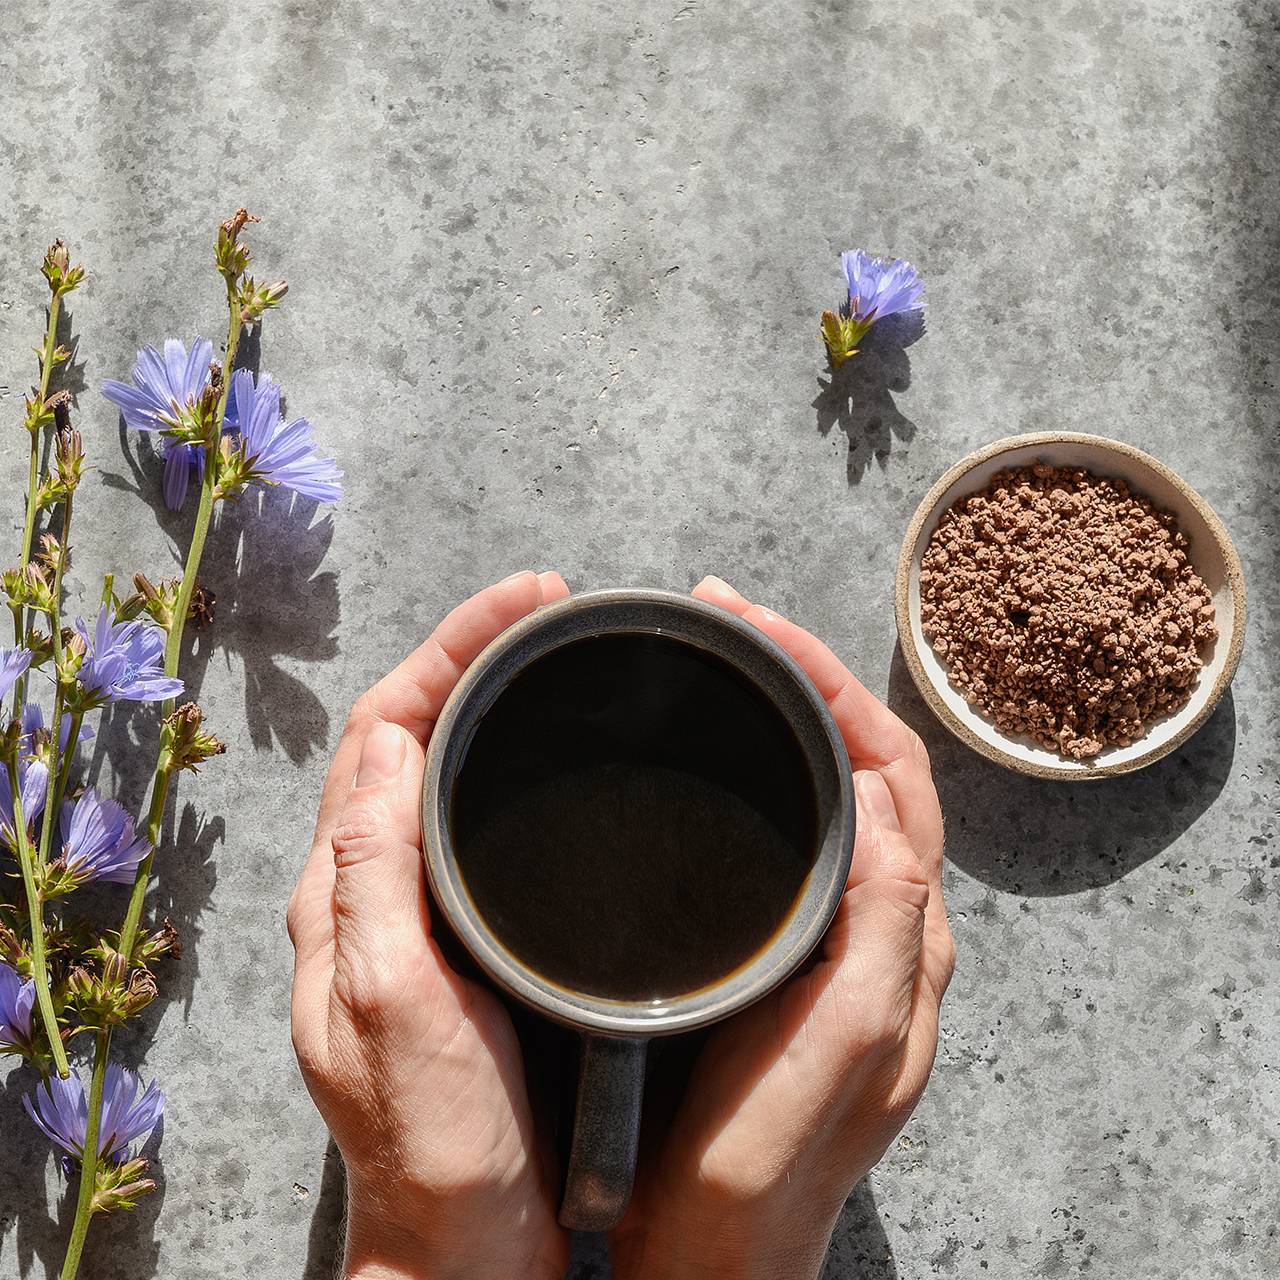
[{"x": 1031, "y": 836}]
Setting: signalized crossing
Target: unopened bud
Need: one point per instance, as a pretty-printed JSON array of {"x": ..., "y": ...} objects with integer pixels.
[
  {"x": 57, "y": 257},
  {"x": 158, "y": 600},
  {"x": 256, "y": 298},
  {"x": 54, "y": 557},
  {"x": 151, "y": 946},
  {"x": 69, "y": 456},
  {"x": 187, "y": 745},
  {"x": 120, "y": 1186},
  {"x": 230, "y": 256},
  {"x": 58, "y": 271},
  {"x": 39, "y": 594},
  {"x": 140, "y": 993}
]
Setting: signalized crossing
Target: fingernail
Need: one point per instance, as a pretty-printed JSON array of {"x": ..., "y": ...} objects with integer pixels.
[
  {"x": 712, "y": 581},
  {"x": 512, "y": 577},
  {"x": 875, "y": 800},
  {"x": 381, "y": 756}
]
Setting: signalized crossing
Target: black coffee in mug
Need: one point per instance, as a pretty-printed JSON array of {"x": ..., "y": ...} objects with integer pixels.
[{"x": 633, "y": 818}]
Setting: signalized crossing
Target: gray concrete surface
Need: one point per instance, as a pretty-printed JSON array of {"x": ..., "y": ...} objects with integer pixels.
[{"x": 557, "y": 270}]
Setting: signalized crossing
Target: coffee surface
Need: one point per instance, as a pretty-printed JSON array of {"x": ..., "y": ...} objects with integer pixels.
[{"x": 633, "y": 818}]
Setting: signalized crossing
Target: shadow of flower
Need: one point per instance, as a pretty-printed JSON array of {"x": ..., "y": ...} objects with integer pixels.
[{"x": 858, "y": 398}]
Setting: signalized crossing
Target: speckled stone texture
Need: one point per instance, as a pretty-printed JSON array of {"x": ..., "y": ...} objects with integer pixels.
[{"x": 557, "y": 271}]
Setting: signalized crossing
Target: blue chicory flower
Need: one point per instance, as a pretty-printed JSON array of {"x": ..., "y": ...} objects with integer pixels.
[
  {"x": 880, "y": 287},
  {"x": 33, "y": 720},
  {"x": 17, "y": 998},
  {"x": 162, "y": 386},
  {"x": 33, "y": 782},
  {"x": 278, "y": 452},
  {"x": 124, "y": 660},
  {"x": 61, "y": 1112},
  {"x": 98, "y": 840},
  {"x": 13, "y": 662},
  {"x": 33, "y": 774}
]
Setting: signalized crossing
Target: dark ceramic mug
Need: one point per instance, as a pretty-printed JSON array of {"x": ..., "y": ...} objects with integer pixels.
[{"x": 616, "y": 1033}]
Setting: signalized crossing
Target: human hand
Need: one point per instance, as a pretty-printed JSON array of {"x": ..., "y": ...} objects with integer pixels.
[
  {"x": 793, "y": 1101},
  {"x": 416, "y": 1071}
]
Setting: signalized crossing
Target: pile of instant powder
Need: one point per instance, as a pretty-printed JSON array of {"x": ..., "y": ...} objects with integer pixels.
[{"x": 1065, "y": 608}]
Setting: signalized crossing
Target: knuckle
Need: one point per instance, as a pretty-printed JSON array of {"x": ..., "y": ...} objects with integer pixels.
[
  {"x": 917, "y": 752},
  {"x": 358, "y": 836},
  {"x": 884, "y": 1033},
  {"x": 735, "y": 1182},
  {"x": 291, "y": 922},
  {"x": 303, "y": 1047},
  {"x": 948, "y": 965},
  {"x": 902, "y": 1100},
  {"x": 358, "y": 718},
  {"x": 307, "y": 1043},
  {"x": 367, "y": 997}
]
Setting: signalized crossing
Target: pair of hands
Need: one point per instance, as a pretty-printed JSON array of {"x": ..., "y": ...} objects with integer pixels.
[{"x": 418, "y": 1072}]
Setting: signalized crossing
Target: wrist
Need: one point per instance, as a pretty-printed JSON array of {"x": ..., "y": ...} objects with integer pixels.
[
  {"x": 402, "y": 1242},
  {"x": 733, "y": 1245},
  {"x": 376, "y": 1248}
]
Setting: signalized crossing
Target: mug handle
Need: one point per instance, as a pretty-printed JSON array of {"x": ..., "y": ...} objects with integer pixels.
[{"x": 606, "y": 1132}]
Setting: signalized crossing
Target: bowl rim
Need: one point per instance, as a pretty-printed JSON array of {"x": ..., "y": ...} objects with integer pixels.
[{"x": 925, "y": 684}]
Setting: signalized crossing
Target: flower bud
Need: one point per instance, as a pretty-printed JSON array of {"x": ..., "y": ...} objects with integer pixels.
[
  {"x": 39, "y": 594},
  {"x": 151, "y": 946},
  {"x": 108, "y": 998},
  {"x": 842, "y": 333},
  {"x": 57, "y": 257},
  {"x": 38, "y": 415},
  {"x": 58, "y": 271},
  {"x": 185, "y": 743},
  {"x": 10, "y": 741},
  {"x": 14, "y": 584},
  {"x": 73, "y": 651},
  {"x": 11, "y": 951},
  {"x": 69, "y": 457},
  {"x": 256, "y": 298},
  {"x": 53, "y": 556},
  {"x": 233, "y": 468},
  {"x": 141, "y": 992},
  {"x": 159, "y": 601},
  {"x": 230, "y": 256},
  {"x": 120, "y": 1186}
]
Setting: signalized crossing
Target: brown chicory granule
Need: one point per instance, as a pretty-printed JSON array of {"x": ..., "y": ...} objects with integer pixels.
[{"x": 1065, "y": 607}]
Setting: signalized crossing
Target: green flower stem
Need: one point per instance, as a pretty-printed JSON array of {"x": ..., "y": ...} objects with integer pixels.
[
  {"x": 173, "y": 646},
  {"x": 60, "y": 773},
  {"x": 159, "y": 784},
  {"x": 61, "y": 759},
  {"x": 33, "y": 478},
  {"x": 28, "y": 533},
  {"x": 57, "y": 780},
  {"x": 35, "y": 912},
  {"x": 155, "y": 816},
  {"x": 55, "y": 618},
  {"x": 89, "y": 1164}
]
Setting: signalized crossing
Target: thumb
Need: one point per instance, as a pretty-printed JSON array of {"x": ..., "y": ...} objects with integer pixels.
[
  {"x": 379, "y": 903},
  {"x": 874, "y": 944}
]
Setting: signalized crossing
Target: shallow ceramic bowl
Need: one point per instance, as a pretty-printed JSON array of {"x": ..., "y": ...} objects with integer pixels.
[{"x": 1212, "y": 554}]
